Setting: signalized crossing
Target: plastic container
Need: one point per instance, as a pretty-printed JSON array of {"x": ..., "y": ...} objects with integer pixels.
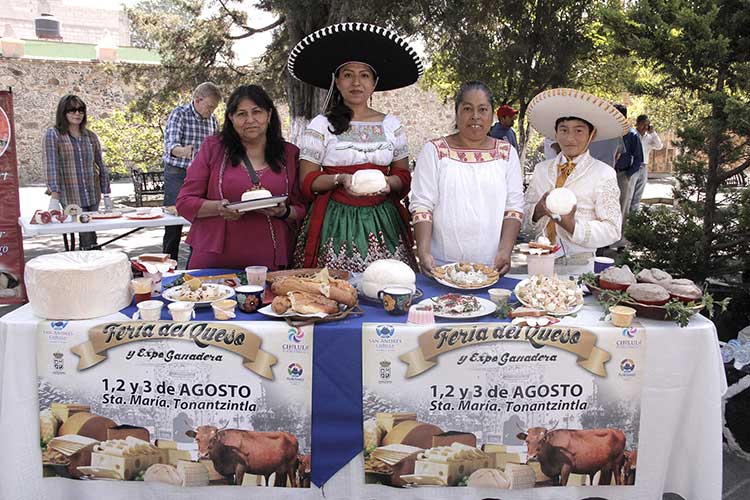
[
  {"x": 543, "y": 265},
  {"x": 622, "y": 316}
]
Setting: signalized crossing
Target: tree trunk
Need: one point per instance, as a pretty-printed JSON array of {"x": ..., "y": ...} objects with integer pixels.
[{"x": 718, "y": 121}]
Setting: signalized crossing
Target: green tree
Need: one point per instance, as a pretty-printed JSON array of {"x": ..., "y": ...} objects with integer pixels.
[
  {"x": 702, "y": 50},
  {"x": 520, "y": 48},
  {"x": 132, "y": 140}
]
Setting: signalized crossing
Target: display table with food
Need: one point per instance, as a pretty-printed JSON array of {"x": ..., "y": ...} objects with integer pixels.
[
  {"x": 134, "y": 220},
  {"x": 680, "y": 419}
]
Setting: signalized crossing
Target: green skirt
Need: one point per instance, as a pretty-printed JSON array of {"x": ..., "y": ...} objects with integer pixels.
[{"x": 353, "y": 237}]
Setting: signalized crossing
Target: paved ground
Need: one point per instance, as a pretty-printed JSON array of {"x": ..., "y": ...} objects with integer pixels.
[{"x": 736, "y": 470}]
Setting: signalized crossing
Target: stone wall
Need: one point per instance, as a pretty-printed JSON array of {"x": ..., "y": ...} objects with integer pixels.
[
  {"x": 37, "y": 87},
  {"x": 39, "y": 84}
]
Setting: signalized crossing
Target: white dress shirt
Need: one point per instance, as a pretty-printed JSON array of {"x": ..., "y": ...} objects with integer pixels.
[
  {"x": 650, "y": 141},
  {"x": 597, "y": 216}
]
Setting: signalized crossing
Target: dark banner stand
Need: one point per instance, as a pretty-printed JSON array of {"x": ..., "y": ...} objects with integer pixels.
[{"x": 12, "y": 290}]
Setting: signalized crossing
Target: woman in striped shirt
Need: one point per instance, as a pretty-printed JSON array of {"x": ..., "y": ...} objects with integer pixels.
[{"x": 76, "y": 173}]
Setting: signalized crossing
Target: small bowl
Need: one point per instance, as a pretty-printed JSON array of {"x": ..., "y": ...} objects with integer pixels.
[
  {"x": 684, "y": 299},
  {"x": 609, "y": 285},
  {"x": 224, "y": 309}
]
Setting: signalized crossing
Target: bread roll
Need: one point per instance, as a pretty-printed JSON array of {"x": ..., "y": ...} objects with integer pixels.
[
  {"x": 281, "y": 304},
  {"x": 311, "y": 303},
  {"x": 338, "y": 290}
]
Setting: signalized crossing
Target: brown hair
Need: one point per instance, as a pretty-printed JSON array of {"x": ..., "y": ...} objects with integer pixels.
[{"x": 68, "y": 101}]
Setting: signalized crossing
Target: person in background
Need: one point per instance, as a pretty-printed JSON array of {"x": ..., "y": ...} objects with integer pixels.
[
  {"x": 627, "y": 165},
  {"x": 249, "y": 153},
  {"x": 650, "y": 141},
  {"x": 73, "y": 163},
  {"x": 503, "y": 129},
  {"x": 607, "y": 151},
  {"x": 347, "y": 229},
  {"x": 187, "y": 127},
  {"x": 575, "y": 119},
  {"x": 467, "y": 193}
]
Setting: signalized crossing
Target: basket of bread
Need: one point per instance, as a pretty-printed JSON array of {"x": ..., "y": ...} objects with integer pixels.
[
  {"x": 303, "y": 299},
  {"x": 653, "y": 293}
]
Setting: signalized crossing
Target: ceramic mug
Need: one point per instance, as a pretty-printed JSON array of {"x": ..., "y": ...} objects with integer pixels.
[
  {"x": 249, "y": 297},
  {"x": 396, "y": 299},
  {"x": 149, "y": 310}
]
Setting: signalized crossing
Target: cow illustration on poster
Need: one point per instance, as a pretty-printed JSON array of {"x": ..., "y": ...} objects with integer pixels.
[{"x": 495, "y": 405}]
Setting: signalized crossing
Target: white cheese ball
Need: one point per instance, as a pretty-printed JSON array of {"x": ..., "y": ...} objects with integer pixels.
[
  {"x": 368, "y": 181},
  {"x": 560, "y": 201}
]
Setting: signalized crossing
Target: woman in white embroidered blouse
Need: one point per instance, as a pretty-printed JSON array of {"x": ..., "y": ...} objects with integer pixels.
[{"x": 467, "y": 193}]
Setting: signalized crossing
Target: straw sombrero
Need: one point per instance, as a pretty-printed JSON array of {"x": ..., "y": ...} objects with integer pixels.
[
  {"x": 317, "y": 56},
  {"x": 548, "y": 106}
]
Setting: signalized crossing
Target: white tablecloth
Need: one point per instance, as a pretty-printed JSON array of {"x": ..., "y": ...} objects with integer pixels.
[
  {"x": 680, "y": 446},
  {"x": 123, "y": 222}
]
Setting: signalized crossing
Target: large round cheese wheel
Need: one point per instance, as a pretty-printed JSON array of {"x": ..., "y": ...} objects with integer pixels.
[
  {"x": 87, "y": 424},
  {"x": 78, "y": 285},
  {"x": 412, "y": 433},
  {"x": 385, "y": 272}
]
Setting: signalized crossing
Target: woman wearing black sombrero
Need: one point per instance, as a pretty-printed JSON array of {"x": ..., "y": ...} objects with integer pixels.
[{"x": 354, "y": 220}]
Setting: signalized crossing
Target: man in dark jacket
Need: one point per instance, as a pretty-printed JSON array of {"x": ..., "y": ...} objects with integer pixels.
[{"x": 627, "y": 165}]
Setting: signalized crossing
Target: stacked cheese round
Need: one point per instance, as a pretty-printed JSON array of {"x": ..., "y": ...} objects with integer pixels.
[{"x": 78, "y": 285}]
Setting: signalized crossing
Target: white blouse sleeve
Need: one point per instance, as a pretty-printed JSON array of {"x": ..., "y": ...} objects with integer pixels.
[
  {"x": 313, "y": 144},
  {"x": 605, "y": 230},
  {"x": 533, "y": 194},
  {"x": 514, "y": 184},
  {"x": 397, "y": 136},
  {"x": 425, "y": 193}
]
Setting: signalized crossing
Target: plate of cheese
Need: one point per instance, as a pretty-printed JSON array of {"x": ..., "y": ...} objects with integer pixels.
[{"x": 466, "y": 275}]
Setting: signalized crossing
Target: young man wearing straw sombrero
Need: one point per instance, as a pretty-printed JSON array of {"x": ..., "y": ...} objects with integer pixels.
[{"x": 574, "y": 119}]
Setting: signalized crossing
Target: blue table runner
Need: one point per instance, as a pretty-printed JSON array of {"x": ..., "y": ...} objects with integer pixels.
[{"x": 337, "y": 434}]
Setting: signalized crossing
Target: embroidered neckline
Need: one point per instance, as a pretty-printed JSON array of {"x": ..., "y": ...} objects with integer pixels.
[{"x": 501, "y": 151}]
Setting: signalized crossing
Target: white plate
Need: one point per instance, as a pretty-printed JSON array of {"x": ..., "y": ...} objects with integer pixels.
[
  {"x": 247, "y": 206},
  {"x": 268, "y": 311},
  {"x": 486, "y": 307},
  {"x": 172, "y": 295},
  {"x": 520, "y": 284},
  {"x": 457, "y": 287}
]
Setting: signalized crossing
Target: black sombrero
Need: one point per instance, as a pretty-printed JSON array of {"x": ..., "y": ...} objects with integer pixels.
[{"x": 317, "y": 56}]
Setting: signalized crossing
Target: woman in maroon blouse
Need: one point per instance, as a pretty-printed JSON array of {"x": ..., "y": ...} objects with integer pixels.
[{"x": 249, "y": 153}]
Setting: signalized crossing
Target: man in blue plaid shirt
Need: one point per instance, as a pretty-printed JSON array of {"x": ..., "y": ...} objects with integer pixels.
[{"x": 187, "y": 127}]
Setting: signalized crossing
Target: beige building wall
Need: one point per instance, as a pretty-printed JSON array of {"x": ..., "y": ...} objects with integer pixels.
[{"x": 77, "y": 24}]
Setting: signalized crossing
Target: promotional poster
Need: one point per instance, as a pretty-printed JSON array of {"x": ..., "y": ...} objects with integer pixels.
[
  {"x": 11, "y": 241},
  {"x": 188, "y": 404},
  {"x": 502, "y": 406}
]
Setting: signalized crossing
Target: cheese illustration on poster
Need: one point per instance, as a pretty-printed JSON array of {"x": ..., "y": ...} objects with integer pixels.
[
  {"x": 4, "y": 132},
  {"x": 502, "y": 406},
  {"x": 190, "y": 404}
]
